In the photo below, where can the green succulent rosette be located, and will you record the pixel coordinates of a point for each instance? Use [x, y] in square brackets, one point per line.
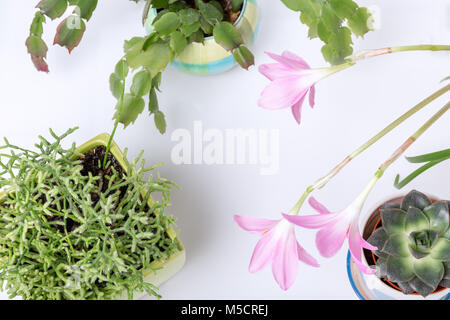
[414, 244]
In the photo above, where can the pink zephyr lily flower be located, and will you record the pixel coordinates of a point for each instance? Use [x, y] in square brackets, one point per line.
[336, 227]
[278, 246]
[292, 79]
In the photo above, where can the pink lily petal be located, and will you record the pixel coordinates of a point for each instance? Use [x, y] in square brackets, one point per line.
[312, 95]
[330, 239]
[282, 93]
[255, 225]
[305, 257]
[274, 71]
[264, 252]
[297, 109]
[313, 221]
[365, 269]
[294, 64]
[355, 242]
[285, 262]
[316, 205]
[367, 245]
[293, 57]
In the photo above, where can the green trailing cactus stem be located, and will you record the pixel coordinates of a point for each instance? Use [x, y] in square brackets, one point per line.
[414, 244]
[71, 229]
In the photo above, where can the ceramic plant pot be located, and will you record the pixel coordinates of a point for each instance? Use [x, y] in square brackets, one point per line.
[370, 287]
[164, 269]
[210, 58]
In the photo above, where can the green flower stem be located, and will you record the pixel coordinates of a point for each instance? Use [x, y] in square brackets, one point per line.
[365, 54]
[423, 47]
[324, 180]
[412, 139]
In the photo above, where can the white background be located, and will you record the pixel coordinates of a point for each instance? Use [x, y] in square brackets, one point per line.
[350, 107]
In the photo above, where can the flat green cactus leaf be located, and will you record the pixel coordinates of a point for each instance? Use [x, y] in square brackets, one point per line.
[439, 216]
[421, 287]
[399, 269]
[406, 288]
[429, 270]
[393, 220]
[416, 220]
[378, 238]
[441, 250]
[397, 245]
[415, 199]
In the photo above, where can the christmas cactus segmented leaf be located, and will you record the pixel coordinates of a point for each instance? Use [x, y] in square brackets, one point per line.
[70, 32]
[334, 22]
[53, 8]
[131, 108]
[86, 8]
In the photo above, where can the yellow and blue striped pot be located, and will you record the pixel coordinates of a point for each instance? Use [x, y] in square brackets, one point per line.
[209, 58]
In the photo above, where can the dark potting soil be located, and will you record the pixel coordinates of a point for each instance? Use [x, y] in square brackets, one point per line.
[91, 163]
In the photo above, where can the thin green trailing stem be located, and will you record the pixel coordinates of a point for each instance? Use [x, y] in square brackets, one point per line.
[320, 183]
[55, 243]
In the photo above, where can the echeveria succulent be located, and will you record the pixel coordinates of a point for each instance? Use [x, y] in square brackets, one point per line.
[414, 244]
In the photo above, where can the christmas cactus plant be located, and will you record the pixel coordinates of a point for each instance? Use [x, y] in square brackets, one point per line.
[177, 24]
[414, 244]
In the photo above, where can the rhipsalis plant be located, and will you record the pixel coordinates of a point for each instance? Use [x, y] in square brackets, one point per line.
[177, 24]
[73, 229]
[414, 244]
[334, 22]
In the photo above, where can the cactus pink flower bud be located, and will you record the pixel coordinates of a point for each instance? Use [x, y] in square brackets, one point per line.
[277, 246]
[291, 80]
